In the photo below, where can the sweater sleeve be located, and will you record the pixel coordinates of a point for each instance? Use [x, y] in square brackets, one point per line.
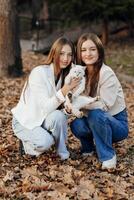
[107, 90]
[39, 94]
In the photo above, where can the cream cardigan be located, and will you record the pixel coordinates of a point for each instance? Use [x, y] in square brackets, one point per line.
[110, 92]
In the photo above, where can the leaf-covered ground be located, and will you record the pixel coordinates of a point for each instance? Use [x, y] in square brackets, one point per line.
[46, 177]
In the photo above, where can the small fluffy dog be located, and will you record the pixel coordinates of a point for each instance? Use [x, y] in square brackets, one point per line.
[74, 100]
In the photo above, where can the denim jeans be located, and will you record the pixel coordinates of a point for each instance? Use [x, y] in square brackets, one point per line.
[37, 140]
[99, 129]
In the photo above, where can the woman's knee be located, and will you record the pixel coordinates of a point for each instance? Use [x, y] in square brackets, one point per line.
[44, 143]
[120, 135]
[77, 127]
[55, 119]
[95, 116]
[57, 116]
[60, 116]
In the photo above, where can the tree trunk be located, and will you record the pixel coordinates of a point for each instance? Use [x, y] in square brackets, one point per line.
[35, 8]
[105, 32]
[10, 52]
[44, 16]
[44, 13]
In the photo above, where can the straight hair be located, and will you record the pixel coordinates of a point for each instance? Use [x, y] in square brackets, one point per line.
[53, 57]
[97, 66]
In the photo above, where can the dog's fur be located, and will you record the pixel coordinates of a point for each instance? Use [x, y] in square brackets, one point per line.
[75, 100]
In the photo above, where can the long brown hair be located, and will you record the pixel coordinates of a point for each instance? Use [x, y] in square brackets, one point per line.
[53, 57]
[97, 66]
[54, 54]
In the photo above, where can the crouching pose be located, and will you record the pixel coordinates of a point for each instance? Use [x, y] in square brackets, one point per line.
[106, 119]
[37, 122]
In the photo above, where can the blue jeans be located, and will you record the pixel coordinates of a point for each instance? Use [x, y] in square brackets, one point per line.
[101, 129]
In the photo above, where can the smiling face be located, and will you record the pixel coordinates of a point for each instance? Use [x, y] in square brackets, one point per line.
[65, 57]
[61, 55]
[89, 53]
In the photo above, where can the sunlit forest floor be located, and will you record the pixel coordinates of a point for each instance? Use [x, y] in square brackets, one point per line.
[78, 178]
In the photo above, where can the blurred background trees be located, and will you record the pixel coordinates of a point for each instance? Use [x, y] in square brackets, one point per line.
[106, 16]
[102, 11]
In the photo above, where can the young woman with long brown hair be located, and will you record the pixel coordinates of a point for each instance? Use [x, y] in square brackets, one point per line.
[105, 121]
[36, 114]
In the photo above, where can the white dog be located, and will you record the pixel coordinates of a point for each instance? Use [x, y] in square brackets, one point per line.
[74, 100]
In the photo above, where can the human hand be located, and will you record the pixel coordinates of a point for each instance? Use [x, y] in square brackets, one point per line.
[69, 87]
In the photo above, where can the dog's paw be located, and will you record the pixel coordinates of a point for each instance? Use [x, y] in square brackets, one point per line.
[66, 112]
[97, 98]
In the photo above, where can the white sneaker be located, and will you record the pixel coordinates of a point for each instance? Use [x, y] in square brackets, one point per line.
[109, 164]
[88, 154]
[30, 149]
[64, 156]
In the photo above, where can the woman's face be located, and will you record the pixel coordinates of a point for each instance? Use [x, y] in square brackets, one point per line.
[89, 52]
[65, 56]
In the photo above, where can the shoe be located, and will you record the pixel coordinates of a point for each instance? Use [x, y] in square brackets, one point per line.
[30, 149]
[88, 153]
[64, 156]
[110, 164]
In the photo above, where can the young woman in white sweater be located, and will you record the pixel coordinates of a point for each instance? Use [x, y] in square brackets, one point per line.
[37, 121]
[105, 121]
